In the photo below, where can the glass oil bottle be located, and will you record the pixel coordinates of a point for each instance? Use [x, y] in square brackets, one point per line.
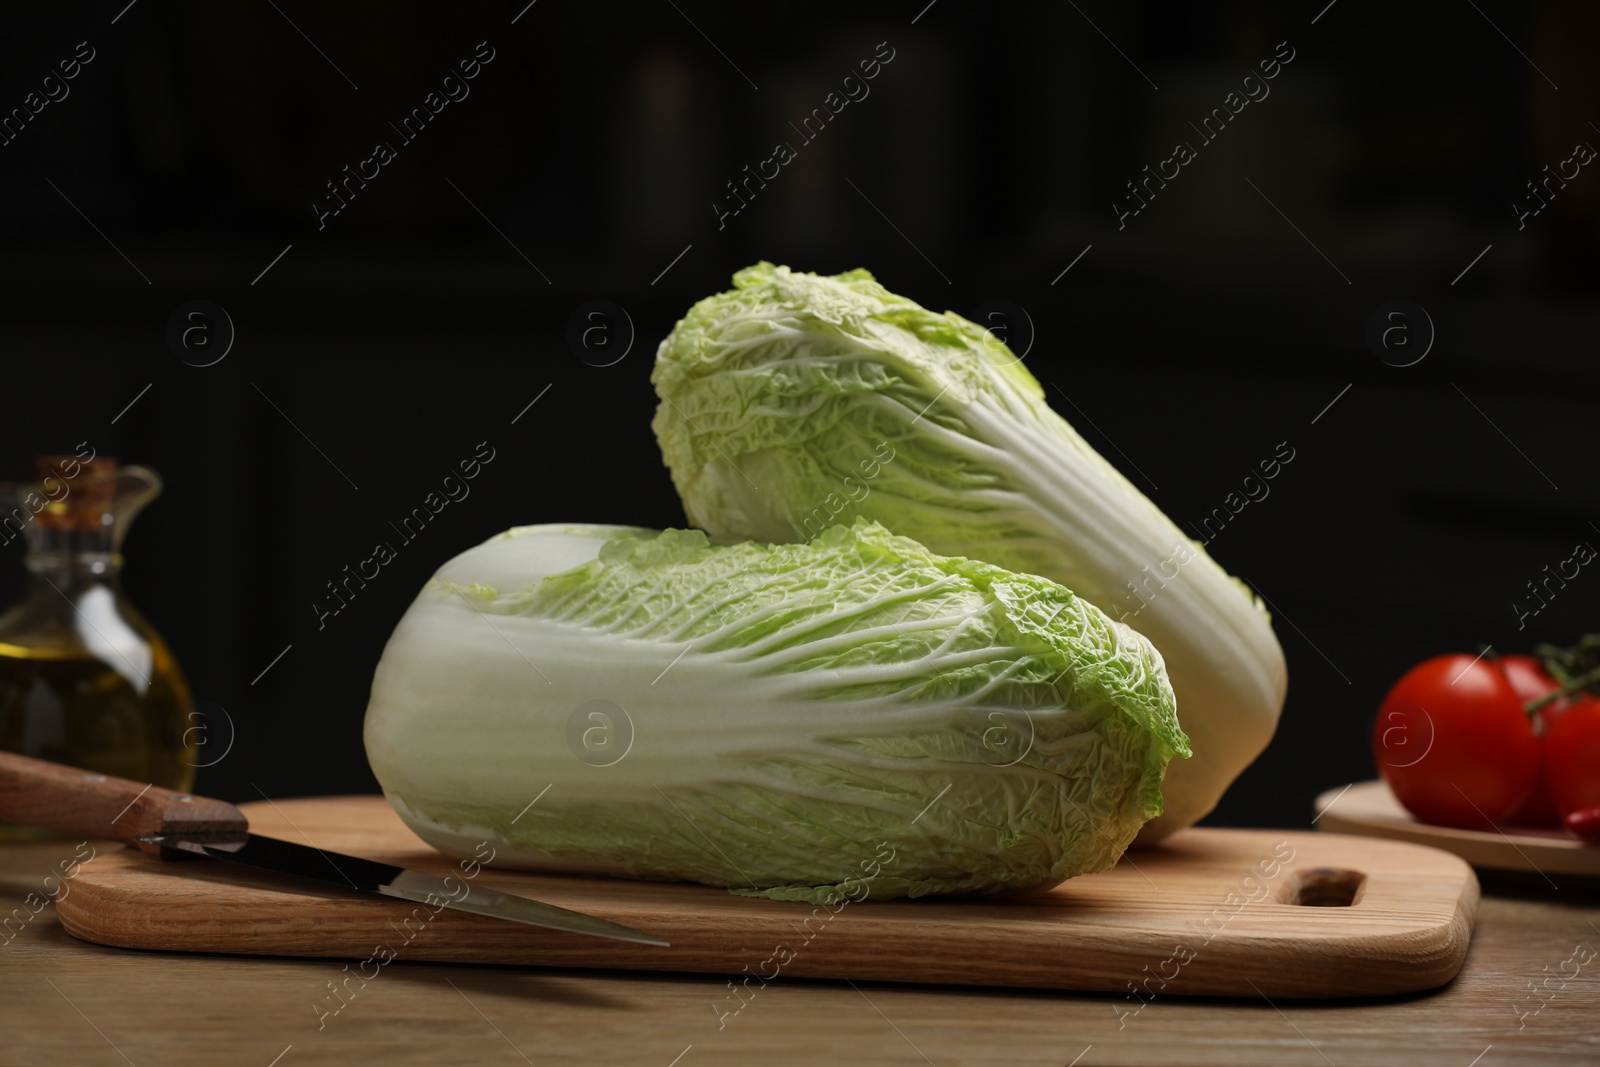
[84, 679]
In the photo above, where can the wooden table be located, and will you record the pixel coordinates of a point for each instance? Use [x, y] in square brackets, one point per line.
[63, 1001]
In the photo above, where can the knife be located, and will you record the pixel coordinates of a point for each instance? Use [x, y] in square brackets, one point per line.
[51, 796]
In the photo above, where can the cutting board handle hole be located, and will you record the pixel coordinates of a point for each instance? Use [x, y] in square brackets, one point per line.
[1323, 887]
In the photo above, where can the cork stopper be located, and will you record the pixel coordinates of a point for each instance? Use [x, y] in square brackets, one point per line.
[79, 493]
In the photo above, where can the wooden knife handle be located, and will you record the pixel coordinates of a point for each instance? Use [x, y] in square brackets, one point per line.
[80, 803]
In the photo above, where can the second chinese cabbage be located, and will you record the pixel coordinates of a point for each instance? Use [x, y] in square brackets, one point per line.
[798, 401]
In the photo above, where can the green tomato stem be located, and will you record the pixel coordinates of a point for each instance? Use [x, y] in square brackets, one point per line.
[1576, 685]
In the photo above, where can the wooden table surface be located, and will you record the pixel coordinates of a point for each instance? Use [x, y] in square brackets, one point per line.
[66, 1002]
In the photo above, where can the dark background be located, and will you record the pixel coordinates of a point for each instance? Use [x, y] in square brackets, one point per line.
[411, 327]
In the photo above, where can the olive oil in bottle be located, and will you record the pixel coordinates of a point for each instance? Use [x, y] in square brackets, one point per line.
[84, 679]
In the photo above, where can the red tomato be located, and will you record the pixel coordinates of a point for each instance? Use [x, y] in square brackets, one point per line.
[1572, 757]
[1529, 678]
[1585, 824]
[1454, 744]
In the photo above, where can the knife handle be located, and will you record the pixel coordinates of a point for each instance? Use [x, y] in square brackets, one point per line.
[80, 803]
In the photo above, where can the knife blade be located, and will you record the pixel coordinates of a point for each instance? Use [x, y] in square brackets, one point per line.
[370, 876]
[51, 796]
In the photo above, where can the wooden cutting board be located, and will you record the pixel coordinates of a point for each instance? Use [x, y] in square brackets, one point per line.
[1210, 912]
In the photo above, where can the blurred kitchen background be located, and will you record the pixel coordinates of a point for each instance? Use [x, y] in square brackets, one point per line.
[374, 353]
